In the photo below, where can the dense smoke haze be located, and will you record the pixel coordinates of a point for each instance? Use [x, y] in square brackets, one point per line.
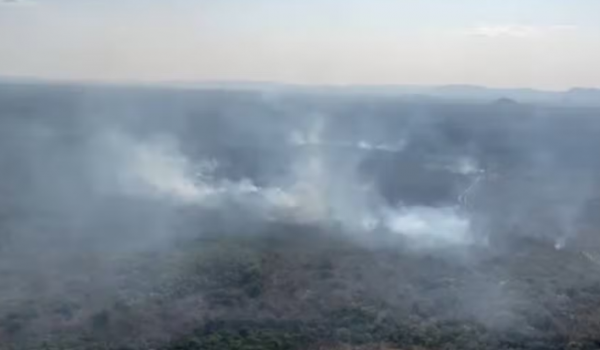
[109, 197]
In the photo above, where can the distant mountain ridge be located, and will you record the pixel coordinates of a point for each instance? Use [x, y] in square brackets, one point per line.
[577, 96]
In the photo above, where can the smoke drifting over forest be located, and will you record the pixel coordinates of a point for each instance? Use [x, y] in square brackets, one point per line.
[112, 199]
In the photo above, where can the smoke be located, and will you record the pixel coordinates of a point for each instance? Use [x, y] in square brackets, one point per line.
[323, 185]
[327, 182]
[432, 226]
[152, 168]
[85, 193]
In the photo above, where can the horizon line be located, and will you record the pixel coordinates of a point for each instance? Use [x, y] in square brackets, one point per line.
[190, 84]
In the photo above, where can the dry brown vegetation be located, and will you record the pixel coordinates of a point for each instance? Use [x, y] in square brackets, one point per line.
[293, 289]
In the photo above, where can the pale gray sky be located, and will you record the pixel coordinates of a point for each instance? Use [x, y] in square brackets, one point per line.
[551, 44]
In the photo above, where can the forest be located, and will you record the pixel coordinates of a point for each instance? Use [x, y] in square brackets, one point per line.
[182, 219]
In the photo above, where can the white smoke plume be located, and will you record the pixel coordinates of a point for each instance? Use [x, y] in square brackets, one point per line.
[334, 191]
[431, 226]
[321, 187]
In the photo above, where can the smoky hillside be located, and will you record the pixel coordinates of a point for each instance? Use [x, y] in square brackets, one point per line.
[180, 219]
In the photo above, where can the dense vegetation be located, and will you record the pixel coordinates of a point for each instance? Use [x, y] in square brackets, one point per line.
[89, 264]
[300, 289]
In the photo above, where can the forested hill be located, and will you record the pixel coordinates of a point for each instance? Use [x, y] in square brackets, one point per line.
[156, 218]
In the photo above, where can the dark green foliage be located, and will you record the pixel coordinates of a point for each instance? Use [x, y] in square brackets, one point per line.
[266, 293]
[100, 321]
[243, 336]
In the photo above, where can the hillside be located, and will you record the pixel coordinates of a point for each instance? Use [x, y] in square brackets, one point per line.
[167, 219]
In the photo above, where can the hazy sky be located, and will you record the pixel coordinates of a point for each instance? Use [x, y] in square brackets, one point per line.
[551, 44]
